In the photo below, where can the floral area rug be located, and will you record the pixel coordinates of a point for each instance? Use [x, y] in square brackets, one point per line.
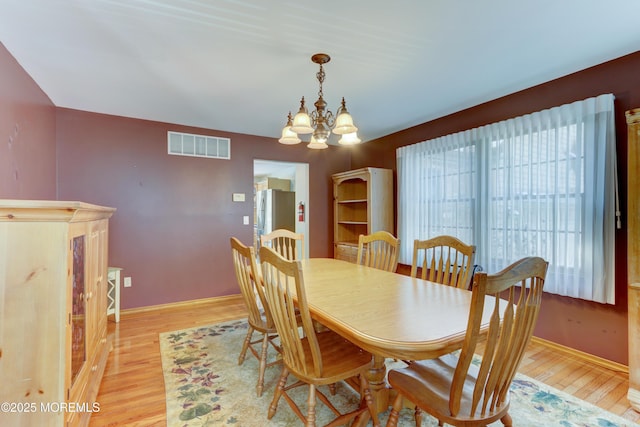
[205, 386]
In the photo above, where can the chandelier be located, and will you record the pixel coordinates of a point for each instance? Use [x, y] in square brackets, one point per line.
[320, 123]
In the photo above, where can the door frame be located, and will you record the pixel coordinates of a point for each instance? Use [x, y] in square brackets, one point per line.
[298, 172]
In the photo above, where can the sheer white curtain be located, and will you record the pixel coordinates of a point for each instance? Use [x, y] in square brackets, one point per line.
[543, 184]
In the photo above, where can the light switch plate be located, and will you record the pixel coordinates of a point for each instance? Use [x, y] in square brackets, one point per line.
[245, 220]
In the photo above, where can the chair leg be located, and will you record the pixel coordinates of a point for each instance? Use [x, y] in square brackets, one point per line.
[417, 414]
[366, 392]
[395, 411]
[263, 364]
[507, 421]
[311, 407]
[245, 345]
[332, 389]
[282, 382]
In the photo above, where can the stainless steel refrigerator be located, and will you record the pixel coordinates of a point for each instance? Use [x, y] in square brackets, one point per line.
[275, 209]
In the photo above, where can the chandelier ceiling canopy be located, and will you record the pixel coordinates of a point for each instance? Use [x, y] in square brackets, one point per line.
[321, 121]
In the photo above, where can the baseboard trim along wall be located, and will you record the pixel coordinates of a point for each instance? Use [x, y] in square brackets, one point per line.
[599, 361]
[181, 304]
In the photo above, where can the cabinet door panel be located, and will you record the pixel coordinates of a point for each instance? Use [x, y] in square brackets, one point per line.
[78, 307]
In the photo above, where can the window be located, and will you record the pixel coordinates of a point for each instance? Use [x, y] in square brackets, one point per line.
[543, 184]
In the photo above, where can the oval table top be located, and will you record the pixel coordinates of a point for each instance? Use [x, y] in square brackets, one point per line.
[388, 314]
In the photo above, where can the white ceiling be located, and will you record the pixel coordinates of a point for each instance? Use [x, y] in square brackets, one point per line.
[241, 65]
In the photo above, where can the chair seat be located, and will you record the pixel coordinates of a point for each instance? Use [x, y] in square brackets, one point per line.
[262, 324]
[340, 359]
[430, 381]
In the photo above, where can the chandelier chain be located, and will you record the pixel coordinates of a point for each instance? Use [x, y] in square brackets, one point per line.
[320, 77]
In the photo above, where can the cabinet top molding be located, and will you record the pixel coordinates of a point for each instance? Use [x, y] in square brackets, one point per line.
[51, 210]
[633, 116]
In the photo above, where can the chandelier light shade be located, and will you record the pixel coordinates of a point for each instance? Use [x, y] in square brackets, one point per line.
[316, 144]
[349, 139]
[302, 121]
[289, 136]
[344, 121]
[321, 122]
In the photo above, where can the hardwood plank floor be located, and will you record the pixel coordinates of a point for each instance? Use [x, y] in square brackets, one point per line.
[132, 390]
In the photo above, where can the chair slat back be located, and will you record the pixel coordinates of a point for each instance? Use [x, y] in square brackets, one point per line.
[444, 259]
[508, 335]
[287, 243]
[283, 281]
[248, 276]
[379, 250]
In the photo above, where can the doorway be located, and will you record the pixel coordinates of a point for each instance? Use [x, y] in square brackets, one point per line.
[285, 176]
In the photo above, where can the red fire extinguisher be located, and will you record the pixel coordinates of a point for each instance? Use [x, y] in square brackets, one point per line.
[300, 212]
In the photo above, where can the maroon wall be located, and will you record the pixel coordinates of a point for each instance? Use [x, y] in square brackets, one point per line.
[175, 214]
[598, 329]
[27, 135]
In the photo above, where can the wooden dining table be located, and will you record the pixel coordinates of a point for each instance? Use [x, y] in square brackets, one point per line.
[387, 314]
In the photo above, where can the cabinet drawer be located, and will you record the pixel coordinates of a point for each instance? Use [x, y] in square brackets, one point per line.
[346, 252]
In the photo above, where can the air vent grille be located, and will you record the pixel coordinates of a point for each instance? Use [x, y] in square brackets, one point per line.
[187, 144]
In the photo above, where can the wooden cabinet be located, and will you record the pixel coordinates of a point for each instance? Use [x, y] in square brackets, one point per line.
[270, 183]
[362, 204]
[633, 254]
[53, 310]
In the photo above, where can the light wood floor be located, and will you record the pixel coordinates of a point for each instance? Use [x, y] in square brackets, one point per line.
[132, 390]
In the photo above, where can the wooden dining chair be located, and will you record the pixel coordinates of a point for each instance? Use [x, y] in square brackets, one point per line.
[457, 390]
[379, 250]
[287, 243]
[259, 317]
[313, 358]
[444, 259]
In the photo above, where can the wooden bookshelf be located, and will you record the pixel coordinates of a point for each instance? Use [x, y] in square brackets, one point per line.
[363, 203]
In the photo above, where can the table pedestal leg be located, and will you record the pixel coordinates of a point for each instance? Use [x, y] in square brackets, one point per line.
[378, 384]
[380, 390]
